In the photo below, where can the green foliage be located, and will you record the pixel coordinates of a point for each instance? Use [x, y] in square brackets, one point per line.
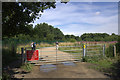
[72, 40]
[99, 37]
[109, 52]
[69, 37]
[41, 33]
[16, 15]
[47, 32]
[92, 59]
[101, 62]
[6, 76]
[8, 57]
[115, 69]
[27, 67]
[111, 66]
[118, 48]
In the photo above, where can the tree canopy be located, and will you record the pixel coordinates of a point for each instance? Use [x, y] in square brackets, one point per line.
[16, 15]
[48, 32]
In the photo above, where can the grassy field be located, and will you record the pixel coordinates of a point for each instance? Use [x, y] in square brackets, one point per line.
[77, 50]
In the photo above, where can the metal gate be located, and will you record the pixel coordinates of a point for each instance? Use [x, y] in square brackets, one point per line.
[63, 53]
[55, 55]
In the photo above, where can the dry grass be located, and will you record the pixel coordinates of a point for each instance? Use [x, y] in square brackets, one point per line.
[44, 45]
[66, 43]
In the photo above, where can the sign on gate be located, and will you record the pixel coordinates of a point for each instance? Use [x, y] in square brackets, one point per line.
[32, 55]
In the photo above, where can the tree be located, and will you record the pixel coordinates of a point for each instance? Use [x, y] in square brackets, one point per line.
[16, 15]
[58, 35]
[96, 37]
[113, 33]
[48, 32]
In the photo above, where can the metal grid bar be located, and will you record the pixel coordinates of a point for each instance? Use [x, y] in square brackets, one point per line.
[73, 50]
[46, 47]
[94, 51]
[48, 51]
[59, 54]
[95, 48]
[94, 55]
[95, 45]
[69, 46]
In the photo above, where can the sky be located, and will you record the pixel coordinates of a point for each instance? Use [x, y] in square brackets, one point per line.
[82, 17]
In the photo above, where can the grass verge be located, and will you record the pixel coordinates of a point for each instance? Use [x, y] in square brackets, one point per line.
[109, 66]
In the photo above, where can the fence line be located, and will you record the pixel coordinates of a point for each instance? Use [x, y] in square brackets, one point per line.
[86, 51]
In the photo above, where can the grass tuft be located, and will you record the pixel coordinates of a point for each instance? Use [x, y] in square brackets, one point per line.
[27, 67]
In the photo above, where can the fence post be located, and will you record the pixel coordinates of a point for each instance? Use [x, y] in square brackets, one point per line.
[84, 50]
[22, 56]
[114, 51]
[39, 54]
[104, 50]
[56, 52]
[25, 56]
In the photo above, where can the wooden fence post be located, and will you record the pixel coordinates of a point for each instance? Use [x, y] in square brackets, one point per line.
[114, 51]
[104, 50]
[22, 56]
[25, 56]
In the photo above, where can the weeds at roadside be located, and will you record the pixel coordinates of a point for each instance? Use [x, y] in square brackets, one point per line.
[27, 67]
[109, 66]
[5, 76]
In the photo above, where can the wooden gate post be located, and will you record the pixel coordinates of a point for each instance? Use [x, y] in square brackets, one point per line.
[104, 50]
[22, 56]
[25, 56]
[114, 51]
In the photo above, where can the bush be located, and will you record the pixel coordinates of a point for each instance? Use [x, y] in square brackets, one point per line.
[6, 76]
[109, 52]
[118, 48]
[72, 40]
[92, 59]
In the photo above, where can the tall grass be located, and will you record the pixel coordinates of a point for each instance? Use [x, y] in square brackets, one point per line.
[27, 67]
[8, 56]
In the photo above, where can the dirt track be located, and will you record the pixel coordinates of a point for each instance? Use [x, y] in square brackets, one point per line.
[49, 54]
[79, 70]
